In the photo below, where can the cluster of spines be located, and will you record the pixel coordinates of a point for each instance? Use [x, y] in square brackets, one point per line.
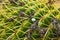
[16, 28]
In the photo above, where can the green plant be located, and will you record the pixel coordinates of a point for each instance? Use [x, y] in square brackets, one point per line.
[29, 20]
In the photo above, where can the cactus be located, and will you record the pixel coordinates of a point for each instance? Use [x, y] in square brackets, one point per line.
[29, 20]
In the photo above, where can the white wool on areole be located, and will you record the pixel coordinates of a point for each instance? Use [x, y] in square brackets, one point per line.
[33, 19]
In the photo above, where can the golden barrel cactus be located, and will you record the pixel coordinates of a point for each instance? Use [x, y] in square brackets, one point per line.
[29, 20]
